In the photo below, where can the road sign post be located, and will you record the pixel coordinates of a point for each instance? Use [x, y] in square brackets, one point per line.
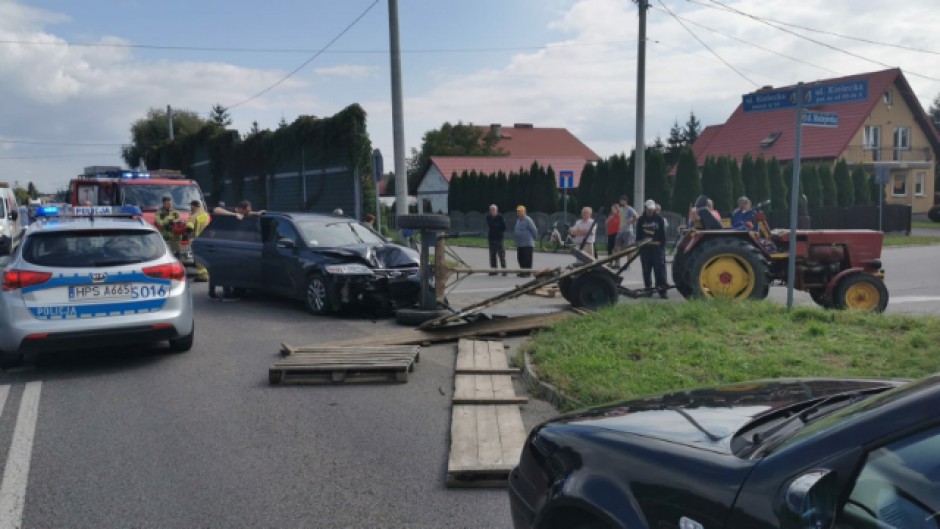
[377, 170]
[565, 182]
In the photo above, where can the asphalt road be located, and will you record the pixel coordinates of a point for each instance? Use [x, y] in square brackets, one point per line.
[145, 438]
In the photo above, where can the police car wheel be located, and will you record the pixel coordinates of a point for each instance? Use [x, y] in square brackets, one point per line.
[185, 343]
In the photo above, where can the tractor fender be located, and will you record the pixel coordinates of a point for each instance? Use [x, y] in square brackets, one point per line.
[697, 236]
[838, 277]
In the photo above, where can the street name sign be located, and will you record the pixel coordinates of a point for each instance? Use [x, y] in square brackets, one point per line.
[834, 94]
[566, 179]
[764, 101]
[820, 119]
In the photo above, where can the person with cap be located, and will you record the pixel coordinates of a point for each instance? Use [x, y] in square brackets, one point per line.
[650, 226]
[166, 219]
[525, 234]
[198, 220]
[495, 233]
[628, 217]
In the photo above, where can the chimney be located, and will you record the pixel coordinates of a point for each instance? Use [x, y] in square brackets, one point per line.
[522, 125]
[496, 129]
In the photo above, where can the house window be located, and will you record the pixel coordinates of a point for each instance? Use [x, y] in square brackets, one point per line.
[888, 97]
[872, 141]
[902, 141]
[919, 184]
[899, 185]
[770, 139]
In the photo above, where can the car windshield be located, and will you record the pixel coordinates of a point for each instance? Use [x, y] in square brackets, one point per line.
[151, 195]
[93, 248]
[337, 233]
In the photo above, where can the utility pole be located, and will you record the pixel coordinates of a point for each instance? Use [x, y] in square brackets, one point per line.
[398, 125]
[169, 119]
[639, 157]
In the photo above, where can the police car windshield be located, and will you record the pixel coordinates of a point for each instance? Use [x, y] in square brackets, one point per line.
[93, 248]
[151, 195]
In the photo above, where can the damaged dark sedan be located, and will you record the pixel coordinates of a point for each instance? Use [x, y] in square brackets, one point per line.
[326, 261]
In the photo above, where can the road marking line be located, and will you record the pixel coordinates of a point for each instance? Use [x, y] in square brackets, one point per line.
[4, 391]
[16, 471]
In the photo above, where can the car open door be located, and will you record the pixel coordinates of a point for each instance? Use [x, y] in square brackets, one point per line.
[230, 248]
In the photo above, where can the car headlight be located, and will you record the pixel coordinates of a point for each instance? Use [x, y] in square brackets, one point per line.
[349, 269]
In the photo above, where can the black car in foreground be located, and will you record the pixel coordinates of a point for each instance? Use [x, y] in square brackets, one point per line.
[329, 262]
[805, 453]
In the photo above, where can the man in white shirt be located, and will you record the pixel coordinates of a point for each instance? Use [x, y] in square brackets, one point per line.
[583, 230]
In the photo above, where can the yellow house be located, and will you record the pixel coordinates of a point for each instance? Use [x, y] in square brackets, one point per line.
[888, 133]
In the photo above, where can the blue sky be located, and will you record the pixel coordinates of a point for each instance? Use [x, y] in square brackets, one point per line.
[584, 80]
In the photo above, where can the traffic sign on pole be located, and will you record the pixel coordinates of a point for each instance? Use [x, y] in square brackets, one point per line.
[820, 119]
[566, 180]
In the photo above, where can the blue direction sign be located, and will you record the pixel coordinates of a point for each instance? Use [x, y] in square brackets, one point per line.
[566, 179]
[834, 94]
[764, 101]
[820, 119]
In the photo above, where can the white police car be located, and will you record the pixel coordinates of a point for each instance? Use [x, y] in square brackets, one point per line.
[92, 277]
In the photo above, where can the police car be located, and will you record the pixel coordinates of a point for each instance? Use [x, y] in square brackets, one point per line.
[92, 277]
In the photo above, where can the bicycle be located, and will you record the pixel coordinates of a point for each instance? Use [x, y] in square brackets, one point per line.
[553, 240]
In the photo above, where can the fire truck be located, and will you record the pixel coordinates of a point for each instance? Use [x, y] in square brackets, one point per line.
[114, 186]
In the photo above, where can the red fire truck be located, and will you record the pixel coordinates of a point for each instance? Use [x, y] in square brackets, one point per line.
[114, 186]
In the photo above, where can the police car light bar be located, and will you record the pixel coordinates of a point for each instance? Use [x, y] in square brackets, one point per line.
[88, 211]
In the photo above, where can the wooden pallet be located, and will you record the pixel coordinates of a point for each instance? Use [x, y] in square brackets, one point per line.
[485, 445]
[308, 365]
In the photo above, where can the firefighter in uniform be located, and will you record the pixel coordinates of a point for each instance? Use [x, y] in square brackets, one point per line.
[166, 220]
[198, 220]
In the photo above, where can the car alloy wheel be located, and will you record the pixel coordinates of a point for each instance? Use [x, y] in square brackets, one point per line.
[317, 295]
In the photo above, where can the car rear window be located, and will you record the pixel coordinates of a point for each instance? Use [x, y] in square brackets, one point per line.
[247, 229]
[92, 248]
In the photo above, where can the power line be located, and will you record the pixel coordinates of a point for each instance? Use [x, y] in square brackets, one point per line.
[325, 52]
[817, 42]
[831, 33]
[702, 42]
[66, 143]
[83, 155]
[758, 46]
[308, 61]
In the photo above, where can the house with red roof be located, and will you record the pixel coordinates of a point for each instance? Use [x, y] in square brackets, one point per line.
[888, 133]
[550, 147]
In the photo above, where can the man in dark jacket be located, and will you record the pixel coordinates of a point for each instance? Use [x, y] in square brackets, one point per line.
[650, 226]
[496, 230]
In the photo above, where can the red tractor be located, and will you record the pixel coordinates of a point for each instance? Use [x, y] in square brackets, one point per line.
[839, 268]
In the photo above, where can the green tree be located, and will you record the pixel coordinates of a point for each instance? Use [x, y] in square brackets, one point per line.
[220, 116]
[862, 187]
[710, 184]
[586, 186]
[687, 186]
[674, 144]
[21, 194]
[747, 175]
[153, 131]
[620, 179]
[787, 177]
[655, 182]
[724, 200]
[811, 185]
[761, 181]
[512, 190]
[453, 193]
[737, 181]
[551, 187]
[779, 190]
[844, 186]
[451, 140]
[828, 183]
[693, 128]
[601, 179]
[32, 191]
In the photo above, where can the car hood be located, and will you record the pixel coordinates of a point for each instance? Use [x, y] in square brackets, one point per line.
[709, 418]
[375, 255]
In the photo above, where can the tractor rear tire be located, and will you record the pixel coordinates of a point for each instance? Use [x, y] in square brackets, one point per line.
[680, 264]
[728, 268]
[861, 291]
[594, 290]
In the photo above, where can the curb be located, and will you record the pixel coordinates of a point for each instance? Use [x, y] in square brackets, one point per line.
[543, 389]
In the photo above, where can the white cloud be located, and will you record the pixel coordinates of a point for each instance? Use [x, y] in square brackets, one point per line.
[351, 71]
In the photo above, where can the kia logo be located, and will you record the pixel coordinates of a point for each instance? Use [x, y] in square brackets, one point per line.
[98, 277]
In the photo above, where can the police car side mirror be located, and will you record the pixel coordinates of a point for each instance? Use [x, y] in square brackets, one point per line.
[13, 215]
[811, 501]
[284, 242]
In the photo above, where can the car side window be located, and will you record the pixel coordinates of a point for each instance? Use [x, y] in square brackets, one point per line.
[899, 486]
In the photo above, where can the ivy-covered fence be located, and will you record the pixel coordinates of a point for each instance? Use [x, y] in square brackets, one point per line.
[313, 164]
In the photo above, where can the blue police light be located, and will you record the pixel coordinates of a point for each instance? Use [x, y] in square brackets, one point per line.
[134, 175]
[47, 211]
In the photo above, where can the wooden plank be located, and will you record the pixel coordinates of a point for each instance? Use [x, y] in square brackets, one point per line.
[508, 326]
[488, 371]
[485, 389]
[465, 354]
[481, 354]
[497, 355]
[333, 377]
[485, 445]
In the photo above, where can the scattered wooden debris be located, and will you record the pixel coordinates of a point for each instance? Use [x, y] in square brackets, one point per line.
[324, 365]
[486, 432]
[549, 291]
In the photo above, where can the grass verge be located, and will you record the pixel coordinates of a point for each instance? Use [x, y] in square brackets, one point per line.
[640, 349]
[926, 225]
[910, 240]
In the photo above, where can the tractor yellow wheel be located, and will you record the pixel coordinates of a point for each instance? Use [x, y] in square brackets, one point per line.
[727, 277]
[861, 292]
[727, 267]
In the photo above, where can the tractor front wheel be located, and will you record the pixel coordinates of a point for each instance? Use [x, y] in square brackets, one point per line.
[728, 268]
[861, 292]
[679, 264]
